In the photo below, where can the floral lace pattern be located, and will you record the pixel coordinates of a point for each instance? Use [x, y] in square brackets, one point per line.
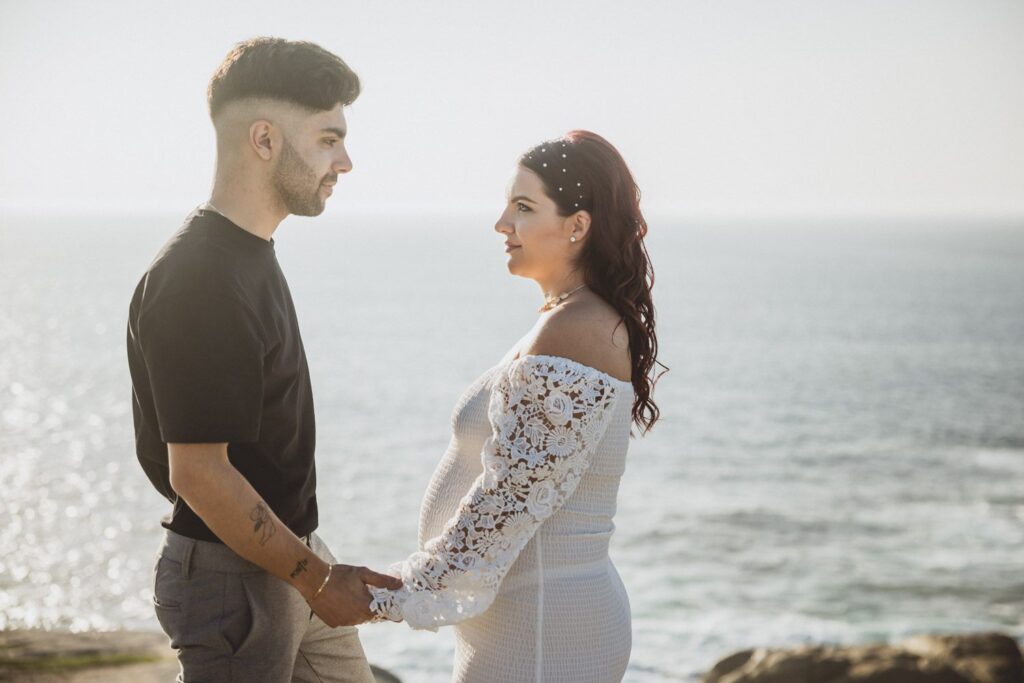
[547, 415]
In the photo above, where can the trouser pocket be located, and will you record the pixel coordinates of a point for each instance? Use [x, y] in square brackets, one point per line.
[238, 623]
[167, 606]
[202, 610]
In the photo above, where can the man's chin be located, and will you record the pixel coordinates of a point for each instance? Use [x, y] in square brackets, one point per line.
[308, 211]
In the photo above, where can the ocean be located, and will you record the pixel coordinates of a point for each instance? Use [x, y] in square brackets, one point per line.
[840, 456]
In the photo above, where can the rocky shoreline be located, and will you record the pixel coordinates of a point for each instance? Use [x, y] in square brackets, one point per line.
[972, 658]
[35, 656]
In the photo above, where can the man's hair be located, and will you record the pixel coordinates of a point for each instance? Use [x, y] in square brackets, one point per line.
[297, 72]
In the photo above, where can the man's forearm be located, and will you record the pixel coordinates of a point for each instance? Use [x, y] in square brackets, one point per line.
[236, 513]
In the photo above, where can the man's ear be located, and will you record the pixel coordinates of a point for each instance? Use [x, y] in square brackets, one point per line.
[261, 139]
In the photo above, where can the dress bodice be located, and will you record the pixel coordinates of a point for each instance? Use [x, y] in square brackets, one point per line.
[587, 514]
[515, 527]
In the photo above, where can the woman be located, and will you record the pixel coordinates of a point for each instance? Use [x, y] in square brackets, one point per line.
[515, 525]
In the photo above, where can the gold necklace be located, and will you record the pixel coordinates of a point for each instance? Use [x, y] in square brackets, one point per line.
[553, 301]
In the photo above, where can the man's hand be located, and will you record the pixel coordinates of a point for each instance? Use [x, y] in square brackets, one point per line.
[345, 601]
[203, 475]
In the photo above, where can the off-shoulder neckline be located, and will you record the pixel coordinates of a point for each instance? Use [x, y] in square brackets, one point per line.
[570, 361]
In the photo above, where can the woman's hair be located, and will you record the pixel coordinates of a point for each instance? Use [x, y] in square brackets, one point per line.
[582, 171]
[297, 72]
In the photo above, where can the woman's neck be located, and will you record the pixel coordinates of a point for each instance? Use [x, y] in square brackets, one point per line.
[559, 285]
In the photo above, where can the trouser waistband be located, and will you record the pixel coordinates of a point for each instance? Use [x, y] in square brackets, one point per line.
[195, 554]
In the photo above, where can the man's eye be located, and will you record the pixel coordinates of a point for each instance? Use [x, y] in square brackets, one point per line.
[331, 142]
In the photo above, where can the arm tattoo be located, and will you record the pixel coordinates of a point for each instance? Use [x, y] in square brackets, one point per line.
[263, 524]
[300, 567]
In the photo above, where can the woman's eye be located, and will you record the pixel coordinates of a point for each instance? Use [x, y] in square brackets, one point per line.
[522, 207]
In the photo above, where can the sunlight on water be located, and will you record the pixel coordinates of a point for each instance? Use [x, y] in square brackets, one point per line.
[839, 458]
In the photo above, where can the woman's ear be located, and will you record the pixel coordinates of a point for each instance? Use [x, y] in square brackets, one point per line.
[579, 226]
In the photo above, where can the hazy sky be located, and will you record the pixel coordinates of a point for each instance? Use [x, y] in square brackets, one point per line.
[755, 107]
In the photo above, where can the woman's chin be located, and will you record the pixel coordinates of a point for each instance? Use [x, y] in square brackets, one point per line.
[516, 265]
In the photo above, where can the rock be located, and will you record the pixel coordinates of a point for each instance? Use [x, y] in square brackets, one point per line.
[382, 676]
[985, 658]
[38, 656]
[973, 658]
[778, 666]
[35, 656]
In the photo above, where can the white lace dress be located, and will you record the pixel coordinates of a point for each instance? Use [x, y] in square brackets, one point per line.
[515, 526]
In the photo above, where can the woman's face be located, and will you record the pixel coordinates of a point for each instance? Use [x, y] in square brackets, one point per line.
[536, 237]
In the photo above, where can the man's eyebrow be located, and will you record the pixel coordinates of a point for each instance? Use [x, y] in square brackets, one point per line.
[340, 132]
[522, 197]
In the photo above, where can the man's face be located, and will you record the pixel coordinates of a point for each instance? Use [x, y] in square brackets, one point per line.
[312, 156]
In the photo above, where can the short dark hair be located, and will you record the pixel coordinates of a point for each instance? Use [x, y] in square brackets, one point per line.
[298, 72]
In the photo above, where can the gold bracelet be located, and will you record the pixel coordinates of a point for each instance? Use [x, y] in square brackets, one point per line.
[323, 585]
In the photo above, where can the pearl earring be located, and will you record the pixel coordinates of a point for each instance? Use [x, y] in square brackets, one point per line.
[573, 238]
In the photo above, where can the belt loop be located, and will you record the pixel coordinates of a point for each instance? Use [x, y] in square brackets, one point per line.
[186, 560]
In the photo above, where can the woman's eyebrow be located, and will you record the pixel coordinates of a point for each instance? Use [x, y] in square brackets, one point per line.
[523, 198]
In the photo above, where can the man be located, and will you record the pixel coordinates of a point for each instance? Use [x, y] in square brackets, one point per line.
[222, 402]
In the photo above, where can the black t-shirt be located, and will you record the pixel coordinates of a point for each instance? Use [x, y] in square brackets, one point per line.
[215, 356]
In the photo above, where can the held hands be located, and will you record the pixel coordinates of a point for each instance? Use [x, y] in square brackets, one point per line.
[344, 600]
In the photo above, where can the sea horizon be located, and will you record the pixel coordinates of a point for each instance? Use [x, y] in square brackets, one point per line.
[838, 459]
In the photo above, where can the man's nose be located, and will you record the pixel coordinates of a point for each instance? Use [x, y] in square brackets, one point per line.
[343, 164]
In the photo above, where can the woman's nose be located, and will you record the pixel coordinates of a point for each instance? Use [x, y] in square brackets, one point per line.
[504, 226]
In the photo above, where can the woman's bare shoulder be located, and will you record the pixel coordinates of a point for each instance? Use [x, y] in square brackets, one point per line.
[588, 331]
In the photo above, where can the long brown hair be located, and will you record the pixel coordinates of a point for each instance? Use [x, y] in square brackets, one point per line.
[583, 171]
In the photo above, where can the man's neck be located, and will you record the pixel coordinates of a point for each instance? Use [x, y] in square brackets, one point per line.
[254, 209]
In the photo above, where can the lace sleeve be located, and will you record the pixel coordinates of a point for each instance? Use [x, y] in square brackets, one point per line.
[547, 415]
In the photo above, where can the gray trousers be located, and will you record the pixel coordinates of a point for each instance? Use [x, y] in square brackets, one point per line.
[231, 621]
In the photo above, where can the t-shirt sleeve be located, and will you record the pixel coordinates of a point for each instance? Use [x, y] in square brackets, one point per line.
[204, 356]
